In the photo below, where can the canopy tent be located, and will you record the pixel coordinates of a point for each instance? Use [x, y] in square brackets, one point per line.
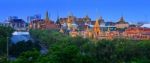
[146, 25]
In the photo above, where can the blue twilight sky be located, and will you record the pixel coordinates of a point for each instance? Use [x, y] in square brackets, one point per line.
[110, 10]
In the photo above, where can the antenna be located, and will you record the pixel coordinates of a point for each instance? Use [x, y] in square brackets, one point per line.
[57, 15]
[97, 14]
[146, 19]
[28, 19]
[86, 13]
[122, 15]
[70, 13]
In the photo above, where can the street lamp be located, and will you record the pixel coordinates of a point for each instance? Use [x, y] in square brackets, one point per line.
[7, 48]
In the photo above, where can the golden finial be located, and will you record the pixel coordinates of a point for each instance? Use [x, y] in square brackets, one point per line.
[108, 29]
[87, 28]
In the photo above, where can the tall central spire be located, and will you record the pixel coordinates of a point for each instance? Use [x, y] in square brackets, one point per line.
[47, 17]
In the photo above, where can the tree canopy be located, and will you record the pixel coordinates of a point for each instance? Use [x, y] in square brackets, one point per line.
[65, 49]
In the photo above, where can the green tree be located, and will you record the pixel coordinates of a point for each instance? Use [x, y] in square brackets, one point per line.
[65, 49]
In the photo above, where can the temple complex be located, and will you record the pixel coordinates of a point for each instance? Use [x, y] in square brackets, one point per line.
[87, 28]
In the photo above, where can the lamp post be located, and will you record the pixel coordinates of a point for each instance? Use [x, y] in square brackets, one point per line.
[7, 49]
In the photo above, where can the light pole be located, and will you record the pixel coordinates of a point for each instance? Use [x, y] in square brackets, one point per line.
[7, 49]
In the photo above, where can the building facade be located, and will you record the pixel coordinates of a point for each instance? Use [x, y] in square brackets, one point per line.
[15, 23]
[137, 33]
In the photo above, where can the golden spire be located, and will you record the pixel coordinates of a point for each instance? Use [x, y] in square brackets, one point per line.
[96, 27]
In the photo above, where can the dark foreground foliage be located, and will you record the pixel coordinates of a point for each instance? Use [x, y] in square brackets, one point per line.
[22, 46]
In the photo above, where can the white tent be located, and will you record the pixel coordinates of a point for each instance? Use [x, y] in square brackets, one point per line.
[20, 33]
[20, 36]
[146, 25]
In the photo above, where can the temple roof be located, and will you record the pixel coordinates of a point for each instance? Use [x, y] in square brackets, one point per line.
[101, 20]
[16, 21]
[110, 24]
[86, 18]
[122, 21]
